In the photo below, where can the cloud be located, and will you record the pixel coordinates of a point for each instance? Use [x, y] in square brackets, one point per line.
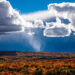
[30, 33]
[10, 19]
[57, 21]
[56, 32]
[65, 7]
[38, 19]
[57, 29]
[65, 11]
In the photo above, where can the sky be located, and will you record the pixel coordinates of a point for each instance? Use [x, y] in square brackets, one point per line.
[28, 6]
[37, 25]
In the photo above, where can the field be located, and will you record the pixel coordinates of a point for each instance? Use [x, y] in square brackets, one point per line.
[37, 63]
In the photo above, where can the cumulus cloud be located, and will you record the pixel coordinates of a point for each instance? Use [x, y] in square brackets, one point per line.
[56, 32]
[57, 29]
[65, 7]
[57, 21]
[10, 19]
[64, 10]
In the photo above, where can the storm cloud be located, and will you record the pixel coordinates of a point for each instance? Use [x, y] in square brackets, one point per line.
[10, 19]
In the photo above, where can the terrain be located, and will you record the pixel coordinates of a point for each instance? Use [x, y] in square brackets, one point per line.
[36, 63]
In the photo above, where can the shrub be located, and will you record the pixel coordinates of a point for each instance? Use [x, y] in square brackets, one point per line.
[38, 71]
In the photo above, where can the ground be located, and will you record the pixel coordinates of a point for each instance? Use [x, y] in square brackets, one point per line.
[37, 63]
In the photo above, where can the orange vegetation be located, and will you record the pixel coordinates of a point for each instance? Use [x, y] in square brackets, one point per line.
[37, 65]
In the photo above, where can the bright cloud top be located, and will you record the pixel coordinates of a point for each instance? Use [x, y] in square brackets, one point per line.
[10, 19]
[54, 20]
[57, 21]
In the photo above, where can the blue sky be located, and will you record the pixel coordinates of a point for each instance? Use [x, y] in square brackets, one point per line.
[27, 6]
[46, 30]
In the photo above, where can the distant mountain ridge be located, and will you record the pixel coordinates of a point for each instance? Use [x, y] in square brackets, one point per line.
[7, 53]
[30, 53]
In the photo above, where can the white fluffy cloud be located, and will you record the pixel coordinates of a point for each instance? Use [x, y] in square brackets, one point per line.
[51, 19]
[57, 29]
[64, 10]
[10, 19]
